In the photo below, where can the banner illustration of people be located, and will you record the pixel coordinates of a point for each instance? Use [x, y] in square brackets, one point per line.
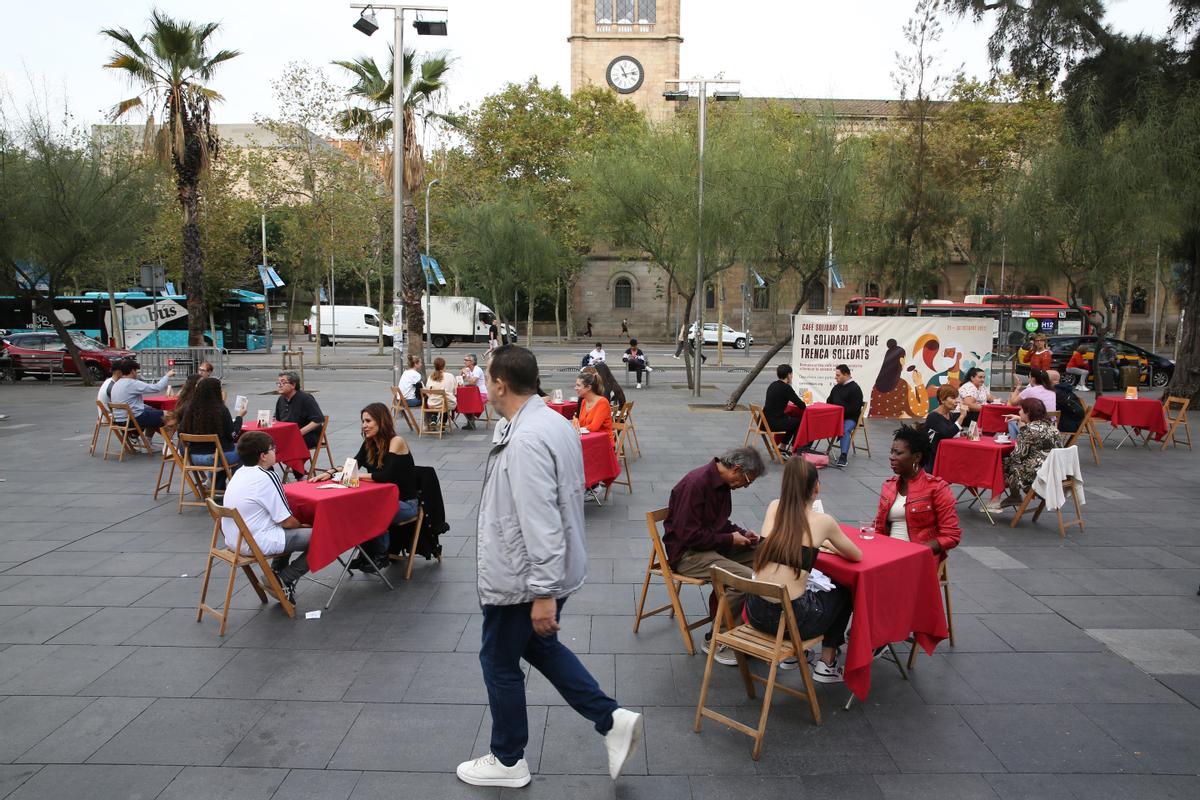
[904, 360]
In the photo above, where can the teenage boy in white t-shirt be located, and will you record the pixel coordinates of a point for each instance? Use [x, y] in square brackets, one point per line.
[257, 493]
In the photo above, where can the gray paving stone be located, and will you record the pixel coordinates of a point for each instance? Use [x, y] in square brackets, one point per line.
[384, 677]
[931, 739]
[442, 785]
[27, 720]
[66, 669]
[108, 626]
[58, 781]
[224, 783]
[1163, 740]
[183, 731]
[409, 736]
[1047, 738]
[12, 776]
[1027, 633]
[41, 624]
[914, 787]
[87, 731]
[1058, 678]
[285, 675]
[318, 784]
[161, 672]
[301, 735]
[1173, 652]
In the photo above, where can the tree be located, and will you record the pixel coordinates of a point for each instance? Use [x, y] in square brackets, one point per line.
[172, 67]
[372, 121]
[67, 204]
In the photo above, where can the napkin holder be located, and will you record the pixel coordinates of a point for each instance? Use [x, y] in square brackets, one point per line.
[349, 475]
[558, 396]
[1131, 393]
[264, 418]
[973, 431]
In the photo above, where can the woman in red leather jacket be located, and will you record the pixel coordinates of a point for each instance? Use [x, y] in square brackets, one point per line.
[914, 505]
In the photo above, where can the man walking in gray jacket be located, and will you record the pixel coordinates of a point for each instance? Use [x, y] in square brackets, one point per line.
[531, 558]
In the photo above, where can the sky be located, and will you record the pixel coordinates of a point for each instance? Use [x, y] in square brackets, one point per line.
[780, 48]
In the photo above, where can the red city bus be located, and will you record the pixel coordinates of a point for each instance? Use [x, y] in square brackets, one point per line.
[1018, 315]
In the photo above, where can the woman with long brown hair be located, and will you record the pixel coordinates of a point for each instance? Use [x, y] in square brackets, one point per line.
[384, 457]
[792, 532]
[205, 413]
[446, 382]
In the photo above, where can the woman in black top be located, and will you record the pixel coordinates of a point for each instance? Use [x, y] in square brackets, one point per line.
[939, 425]
[779, 394]
[205, 413]
[384, 457]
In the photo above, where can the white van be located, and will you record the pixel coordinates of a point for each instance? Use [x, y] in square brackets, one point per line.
[347, 324]
[461, 319]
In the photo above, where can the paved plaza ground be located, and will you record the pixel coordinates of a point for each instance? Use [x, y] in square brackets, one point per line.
[1076, 672]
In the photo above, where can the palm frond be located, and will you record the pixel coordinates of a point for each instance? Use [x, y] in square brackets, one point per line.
[123, 107]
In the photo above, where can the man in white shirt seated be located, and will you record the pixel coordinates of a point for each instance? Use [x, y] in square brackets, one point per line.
[596, 355]
[105, 393]
[257, 493]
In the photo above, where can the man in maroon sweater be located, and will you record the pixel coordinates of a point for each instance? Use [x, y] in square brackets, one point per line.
[698, 533]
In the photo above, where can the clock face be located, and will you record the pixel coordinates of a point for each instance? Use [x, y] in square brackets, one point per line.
[625, 74]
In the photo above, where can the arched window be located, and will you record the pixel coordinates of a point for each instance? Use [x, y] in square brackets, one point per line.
[626, 12]
[1031, 288]
[623, 293]
[932, 291]
[816, 297]
[760, 298]
[710, 296]
[1138, 302]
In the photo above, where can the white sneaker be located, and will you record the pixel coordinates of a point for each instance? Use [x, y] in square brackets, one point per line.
[649, 369]
[638, 386]
[488, 771]
[723, 656]
[622, 739]
[675, 357]
[790, 663]
[826, 673]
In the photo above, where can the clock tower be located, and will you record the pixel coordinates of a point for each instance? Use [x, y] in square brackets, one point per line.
[630, 46]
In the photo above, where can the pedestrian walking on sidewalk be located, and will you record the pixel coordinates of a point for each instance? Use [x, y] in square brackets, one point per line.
[531, 557]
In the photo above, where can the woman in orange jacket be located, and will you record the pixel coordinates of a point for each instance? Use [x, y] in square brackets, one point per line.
[595, 412]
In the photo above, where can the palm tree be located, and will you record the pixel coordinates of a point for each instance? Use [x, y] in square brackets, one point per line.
[372, 121]
[171, 66]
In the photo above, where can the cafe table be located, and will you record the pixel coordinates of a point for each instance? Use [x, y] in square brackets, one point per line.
[470, 400]
[991, 417]
[600, 464]
[290, 448]
[976, 465]
[161, 401]
[895, 593]
[342, 518]
[1130, 416]
[820, 421]
[567, 408]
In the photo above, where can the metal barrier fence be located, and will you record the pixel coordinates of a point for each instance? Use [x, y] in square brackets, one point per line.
[156, 361]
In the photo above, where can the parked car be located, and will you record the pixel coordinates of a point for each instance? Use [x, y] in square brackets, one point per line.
[738, 339]
[1154, 370]
[38, 352]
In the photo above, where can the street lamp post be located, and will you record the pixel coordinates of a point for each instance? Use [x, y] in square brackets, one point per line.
[428, 283]
[682, 92]
[367, 24]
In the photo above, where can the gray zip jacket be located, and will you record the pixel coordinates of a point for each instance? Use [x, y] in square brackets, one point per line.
[531, 528]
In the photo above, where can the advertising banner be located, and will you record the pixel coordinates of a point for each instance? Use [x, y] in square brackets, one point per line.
[899, 362]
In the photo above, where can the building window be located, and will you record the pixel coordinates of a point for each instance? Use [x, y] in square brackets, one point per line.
[816, 296]
[1137, 303]
[623, 293]
[624, 12]
[871, 290]
[710, 296]
[1031, 289]
[760, 298]
[646, 12]
[627, 12]
[603, 12]
[932, 292]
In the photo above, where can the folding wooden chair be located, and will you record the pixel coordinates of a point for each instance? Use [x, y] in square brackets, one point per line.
[322, 442]
[400, 408]
[1055, 417]
[205, 477]
[172, 460]
[104, 421]
[943, 581]
[746, 640]
[1177, 406]
[440, 414]
[129, 433]
[1069, 488]
[760, 426]
[625, 478]
[416, 522]
[861, 426]
[625, 414]
[1088, 425]
[218, 550]
[659, 566]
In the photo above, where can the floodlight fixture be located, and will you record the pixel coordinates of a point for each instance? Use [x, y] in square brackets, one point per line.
[726, 94]
[366, 22]
[430, 27]
[676, 95]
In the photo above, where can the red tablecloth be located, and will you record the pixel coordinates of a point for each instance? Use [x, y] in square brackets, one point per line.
[600, 463]
[896, 593]
[1141, 414]
[470, 400]
[290, 448]
[820, 421]
[566, 408]
[979, 465]
[341, 518]
[991, 417]
[161, 401]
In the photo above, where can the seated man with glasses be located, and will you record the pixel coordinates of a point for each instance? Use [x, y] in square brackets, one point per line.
[299, 407]
[255, 491]
[698, 533]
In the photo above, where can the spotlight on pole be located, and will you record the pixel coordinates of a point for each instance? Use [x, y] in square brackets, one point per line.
[676, 95]
[366, 21]
[430, 27]
[726, 95]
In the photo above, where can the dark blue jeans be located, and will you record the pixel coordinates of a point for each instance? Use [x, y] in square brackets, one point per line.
[817, 613]
[507, 638]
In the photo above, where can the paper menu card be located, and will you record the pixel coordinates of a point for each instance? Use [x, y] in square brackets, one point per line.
[349, 475]
[240, 403]
[264, 417]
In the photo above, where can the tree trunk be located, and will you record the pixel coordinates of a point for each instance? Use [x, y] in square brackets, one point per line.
[570, 308]
[291, 315]
[212, 327]
[689, 353]
[1126, 305]
[529, 320]
[557, 323]
[1185, 382]
[317, 319]
[413, 283]
[47, 306]
[367, 287]
[193, 263]
[116, 331]
[732, 402]
[379, 352]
